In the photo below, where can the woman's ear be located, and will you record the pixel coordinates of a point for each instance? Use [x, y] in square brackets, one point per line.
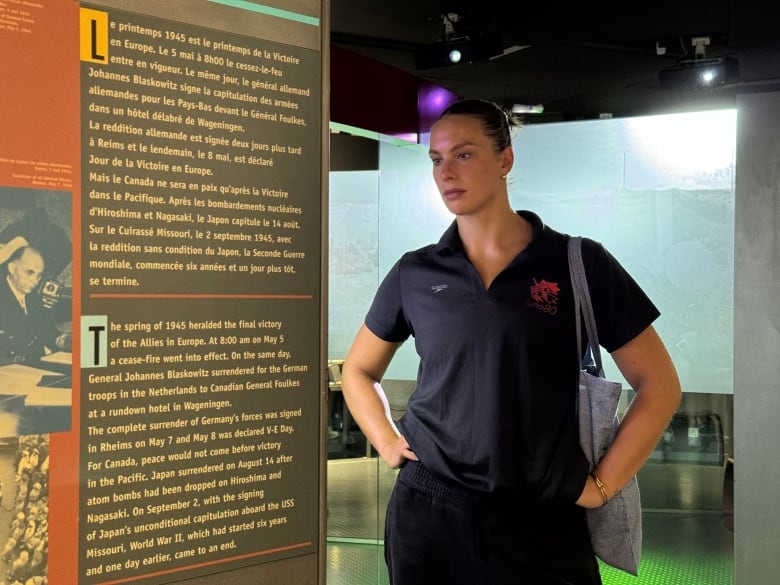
[507, 160]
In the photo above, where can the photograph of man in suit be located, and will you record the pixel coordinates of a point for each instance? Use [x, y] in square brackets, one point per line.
[35, 312]
[27, 332]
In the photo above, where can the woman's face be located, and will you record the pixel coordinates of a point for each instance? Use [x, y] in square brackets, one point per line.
[466, 167]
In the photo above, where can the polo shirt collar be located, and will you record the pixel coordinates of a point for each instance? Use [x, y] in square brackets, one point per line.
[450, 239]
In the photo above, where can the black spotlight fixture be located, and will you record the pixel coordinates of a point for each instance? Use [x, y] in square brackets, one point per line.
[456, 49]
[700, 72]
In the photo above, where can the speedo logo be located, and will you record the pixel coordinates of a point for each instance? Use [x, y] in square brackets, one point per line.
[544, 296]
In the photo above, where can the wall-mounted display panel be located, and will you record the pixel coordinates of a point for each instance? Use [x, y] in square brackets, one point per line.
[161, 175]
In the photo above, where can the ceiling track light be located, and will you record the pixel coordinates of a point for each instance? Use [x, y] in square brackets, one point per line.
[527, 109]
[459, 51]
[700, 73]
[456, 48]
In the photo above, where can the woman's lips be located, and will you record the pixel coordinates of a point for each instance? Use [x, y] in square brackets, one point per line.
[452, 193]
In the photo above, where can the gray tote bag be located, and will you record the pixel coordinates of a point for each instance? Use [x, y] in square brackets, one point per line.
[616, 527]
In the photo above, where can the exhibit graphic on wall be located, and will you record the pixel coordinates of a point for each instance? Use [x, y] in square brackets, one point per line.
[160, 182]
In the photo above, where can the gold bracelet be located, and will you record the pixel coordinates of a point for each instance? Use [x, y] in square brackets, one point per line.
[601, 487]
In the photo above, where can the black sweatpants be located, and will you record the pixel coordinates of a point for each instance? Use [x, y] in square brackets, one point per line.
[441, 533]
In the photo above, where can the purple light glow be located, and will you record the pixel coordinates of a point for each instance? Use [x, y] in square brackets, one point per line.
[408, 137]
[432, 100]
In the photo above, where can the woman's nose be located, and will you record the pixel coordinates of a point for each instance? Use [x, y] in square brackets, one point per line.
[445, 170]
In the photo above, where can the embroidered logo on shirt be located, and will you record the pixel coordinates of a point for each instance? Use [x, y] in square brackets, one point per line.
[544, 296]
[437, 288]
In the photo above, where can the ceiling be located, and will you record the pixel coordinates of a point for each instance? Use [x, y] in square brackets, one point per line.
[579, 62]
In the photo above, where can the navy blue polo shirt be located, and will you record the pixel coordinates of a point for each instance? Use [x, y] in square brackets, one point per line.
[494, 407]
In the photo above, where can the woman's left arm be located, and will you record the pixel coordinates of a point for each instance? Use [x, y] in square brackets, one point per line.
[647, 367]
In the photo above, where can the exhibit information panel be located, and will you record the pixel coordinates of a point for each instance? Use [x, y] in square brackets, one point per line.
[164, 177]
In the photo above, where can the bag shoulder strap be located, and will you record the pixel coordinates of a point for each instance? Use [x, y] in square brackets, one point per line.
[582, 303]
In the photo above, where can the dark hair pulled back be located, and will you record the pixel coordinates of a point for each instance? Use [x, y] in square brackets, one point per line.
[496, 121]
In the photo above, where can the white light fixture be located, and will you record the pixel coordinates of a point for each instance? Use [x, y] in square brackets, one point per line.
[700, 73]
[708, 76]
[527, 109]
[455, 56]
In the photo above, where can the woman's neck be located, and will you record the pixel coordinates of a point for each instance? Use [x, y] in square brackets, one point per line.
[486, 234]
[492, 243]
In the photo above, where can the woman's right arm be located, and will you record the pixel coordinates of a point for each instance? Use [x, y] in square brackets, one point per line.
[361, 374]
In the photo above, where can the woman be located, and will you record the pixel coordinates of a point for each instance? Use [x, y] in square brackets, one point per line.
[493, 484]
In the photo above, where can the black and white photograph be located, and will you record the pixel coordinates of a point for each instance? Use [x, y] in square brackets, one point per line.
[35, 311]
[24, 510]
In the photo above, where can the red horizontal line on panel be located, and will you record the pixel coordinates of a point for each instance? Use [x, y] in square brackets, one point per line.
[191, 296]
